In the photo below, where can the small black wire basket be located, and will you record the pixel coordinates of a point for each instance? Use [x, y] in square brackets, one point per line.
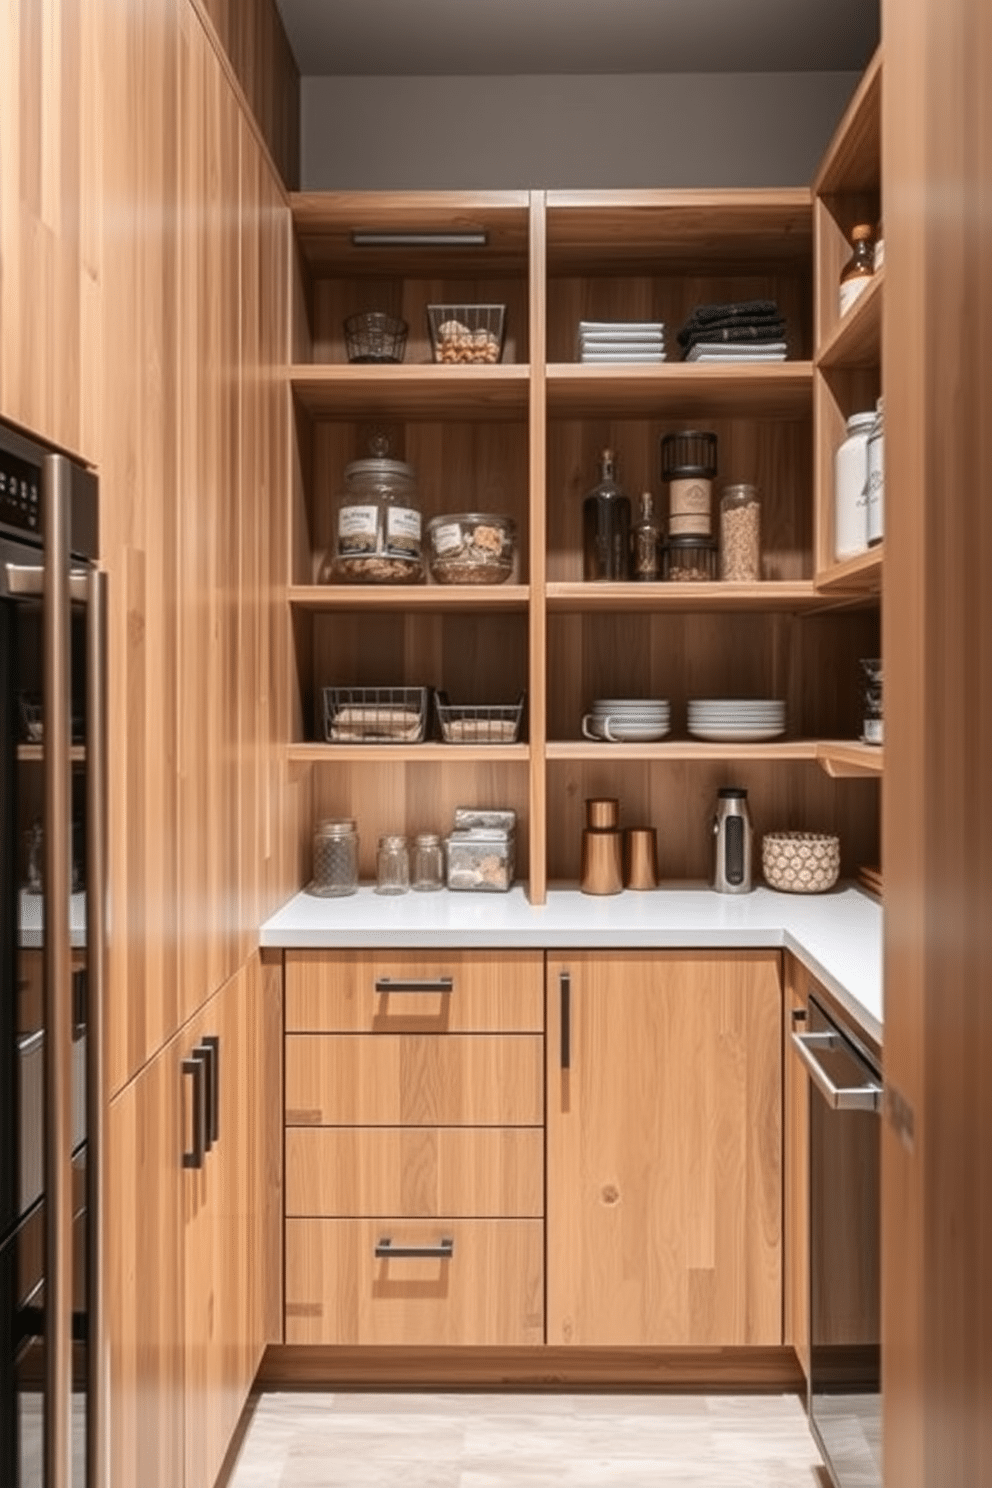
[374, 336]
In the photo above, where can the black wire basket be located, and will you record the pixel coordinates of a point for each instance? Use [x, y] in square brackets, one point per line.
[374, 336]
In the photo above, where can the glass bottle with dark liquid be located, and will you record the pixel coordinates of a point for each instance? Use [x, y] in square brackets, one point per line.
[606, 526]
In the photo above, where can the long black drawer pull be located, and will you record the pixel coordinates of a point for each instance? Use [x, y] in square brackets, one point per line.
[208, 1050]
[194, 1068]
[428, 984]
[565, 984]
[385, 1250]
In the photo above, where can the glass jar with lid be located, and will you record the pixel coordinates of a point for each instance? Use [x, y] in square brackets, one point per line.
[427, 873]
[378, 523]
[392, 865]
[335, 858]
[740, 534]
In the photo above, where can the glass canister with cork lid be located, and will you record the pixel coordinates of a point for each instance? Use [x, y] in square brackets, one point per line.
[378, 523]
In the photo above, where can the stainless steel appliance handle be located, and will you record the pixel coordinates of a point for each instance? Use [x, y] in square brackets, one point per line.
[427, 984]
[56, 485]
[98, 1363]
[866, 1097]
[28, 581]
[385, 1250]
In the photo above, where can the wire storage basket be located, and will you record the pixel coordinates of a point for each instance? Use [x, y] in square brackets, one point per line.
[375, 715]
[374, 336]
[466, 333]
[478, 723]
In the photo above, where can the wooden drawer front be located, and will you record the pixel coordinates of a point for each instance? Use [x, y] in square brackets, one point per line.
[417, 1171]
[490, 1291]
[414, 1080]
[335, 991]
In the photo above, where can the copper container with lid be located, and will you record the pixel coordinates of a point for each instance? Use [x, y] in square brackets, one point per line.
[602, 866]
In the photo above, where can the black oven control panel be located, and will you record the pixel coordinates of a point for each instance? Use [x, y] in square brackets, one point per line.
[20, 504]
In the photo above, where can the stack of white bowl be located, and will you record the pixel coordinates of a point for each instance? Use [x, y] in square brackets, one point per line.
[736, 720]
[628, 720]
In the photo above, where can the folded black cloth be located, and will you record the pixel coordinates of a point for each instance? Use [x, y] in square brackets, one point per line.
[755, 313]
[749, 335]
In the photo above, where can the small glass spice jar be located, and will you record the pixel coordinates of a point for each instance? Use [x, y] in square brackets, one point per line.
[392, 866]
[740, 535]
[689, 560]
[428, 862]
[335, 858]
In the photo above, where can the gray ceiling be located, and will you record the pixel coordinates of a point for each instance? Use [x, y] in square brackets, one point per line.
[432, 38]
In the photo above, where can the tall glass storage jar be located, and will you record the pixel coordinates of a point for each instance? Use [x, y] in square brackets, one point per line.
[378, 523]
[740, 534]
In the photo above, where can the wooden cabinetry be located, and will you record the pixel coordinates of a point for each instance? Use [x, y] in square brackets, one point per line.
[521, 438]
[848, 352]
[795, 1103]
[664, 1149]
[193, 1255]
[414, 1113]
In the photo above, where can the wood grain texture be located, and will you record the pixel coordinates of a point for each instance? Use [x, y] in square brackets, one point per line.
[144, 1269]
[550, 1368]
[336, 991]
[420, 1172]
[254, 38]
[665, 1150]
[795, 1108]
[414, 1079]
[937, 1181]
[491, 1290]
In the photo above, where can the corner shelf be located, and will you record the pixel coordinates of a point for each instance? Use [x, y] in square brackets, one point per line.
[848, 759]
[857, 576]
[856, 341]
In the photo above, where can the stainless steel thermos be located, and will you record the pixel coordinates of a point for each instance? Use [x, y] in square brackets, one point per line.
[732, 841]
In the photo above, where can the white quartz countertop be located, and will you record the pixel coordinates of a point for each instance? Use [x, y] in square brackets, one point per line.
[837, 936]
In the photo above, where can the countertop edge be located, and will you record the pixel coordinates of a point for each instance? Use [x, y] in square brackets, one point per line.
[837, 936]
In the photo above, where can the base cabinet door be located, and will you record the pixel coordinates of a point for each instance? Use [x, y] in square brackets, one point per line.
[664, 1149]
[192, 1249]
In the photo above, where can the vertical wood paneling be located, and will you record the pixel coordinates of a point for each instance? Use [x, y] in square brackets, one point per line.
[937, 1199]
[252, 34]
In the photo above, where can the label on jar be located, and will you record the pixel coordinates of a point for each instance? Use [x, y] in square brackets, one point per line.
[402, 532]
[851, 289]
[358, 529]
[873, 731]
[692, 525]
[689, 498]
[447, 538]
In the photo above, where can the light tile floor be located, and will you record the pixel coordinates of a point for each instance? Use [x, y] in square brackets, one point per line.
[313, 1440]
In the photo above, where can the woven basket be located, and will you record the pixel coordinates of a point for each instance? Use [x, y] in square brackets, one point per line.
[800, 862]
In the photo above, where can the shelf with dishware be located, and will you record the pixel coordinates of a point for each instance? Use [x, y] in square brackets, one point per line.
[522, 437]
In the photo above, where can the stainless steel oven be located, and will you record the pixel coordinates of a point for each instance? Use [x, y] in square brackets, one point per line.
[52, 873]
[844, 1145]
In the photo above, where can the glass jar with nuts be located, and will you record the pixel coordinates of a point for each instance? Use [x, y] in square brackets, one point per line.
[740, 534]
[378, 525]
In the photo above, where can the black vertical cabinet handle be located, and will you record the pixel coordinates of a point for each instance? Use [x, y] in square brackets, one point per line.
[194, 1157]
[212, 1042]
[565, 986]
[207, 1052]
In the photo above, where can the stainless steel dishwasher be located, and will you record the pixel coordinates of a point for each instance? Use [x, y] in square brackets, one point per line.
[845, 1402]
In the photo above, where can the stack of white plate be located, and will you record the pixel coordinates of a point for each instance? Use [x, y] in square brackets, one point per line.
[737, 720]
[606, 341]
[628, 720]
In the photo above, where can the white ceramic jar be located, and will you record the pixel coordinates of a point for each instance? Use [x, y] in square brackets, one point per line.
[875, 479]
[850, 503]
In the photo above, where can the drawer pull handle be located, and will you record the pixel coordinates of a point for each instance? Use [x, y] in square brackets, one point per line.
[194, 1157]
[565, 987]
[385, 1250]
[427, 984]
